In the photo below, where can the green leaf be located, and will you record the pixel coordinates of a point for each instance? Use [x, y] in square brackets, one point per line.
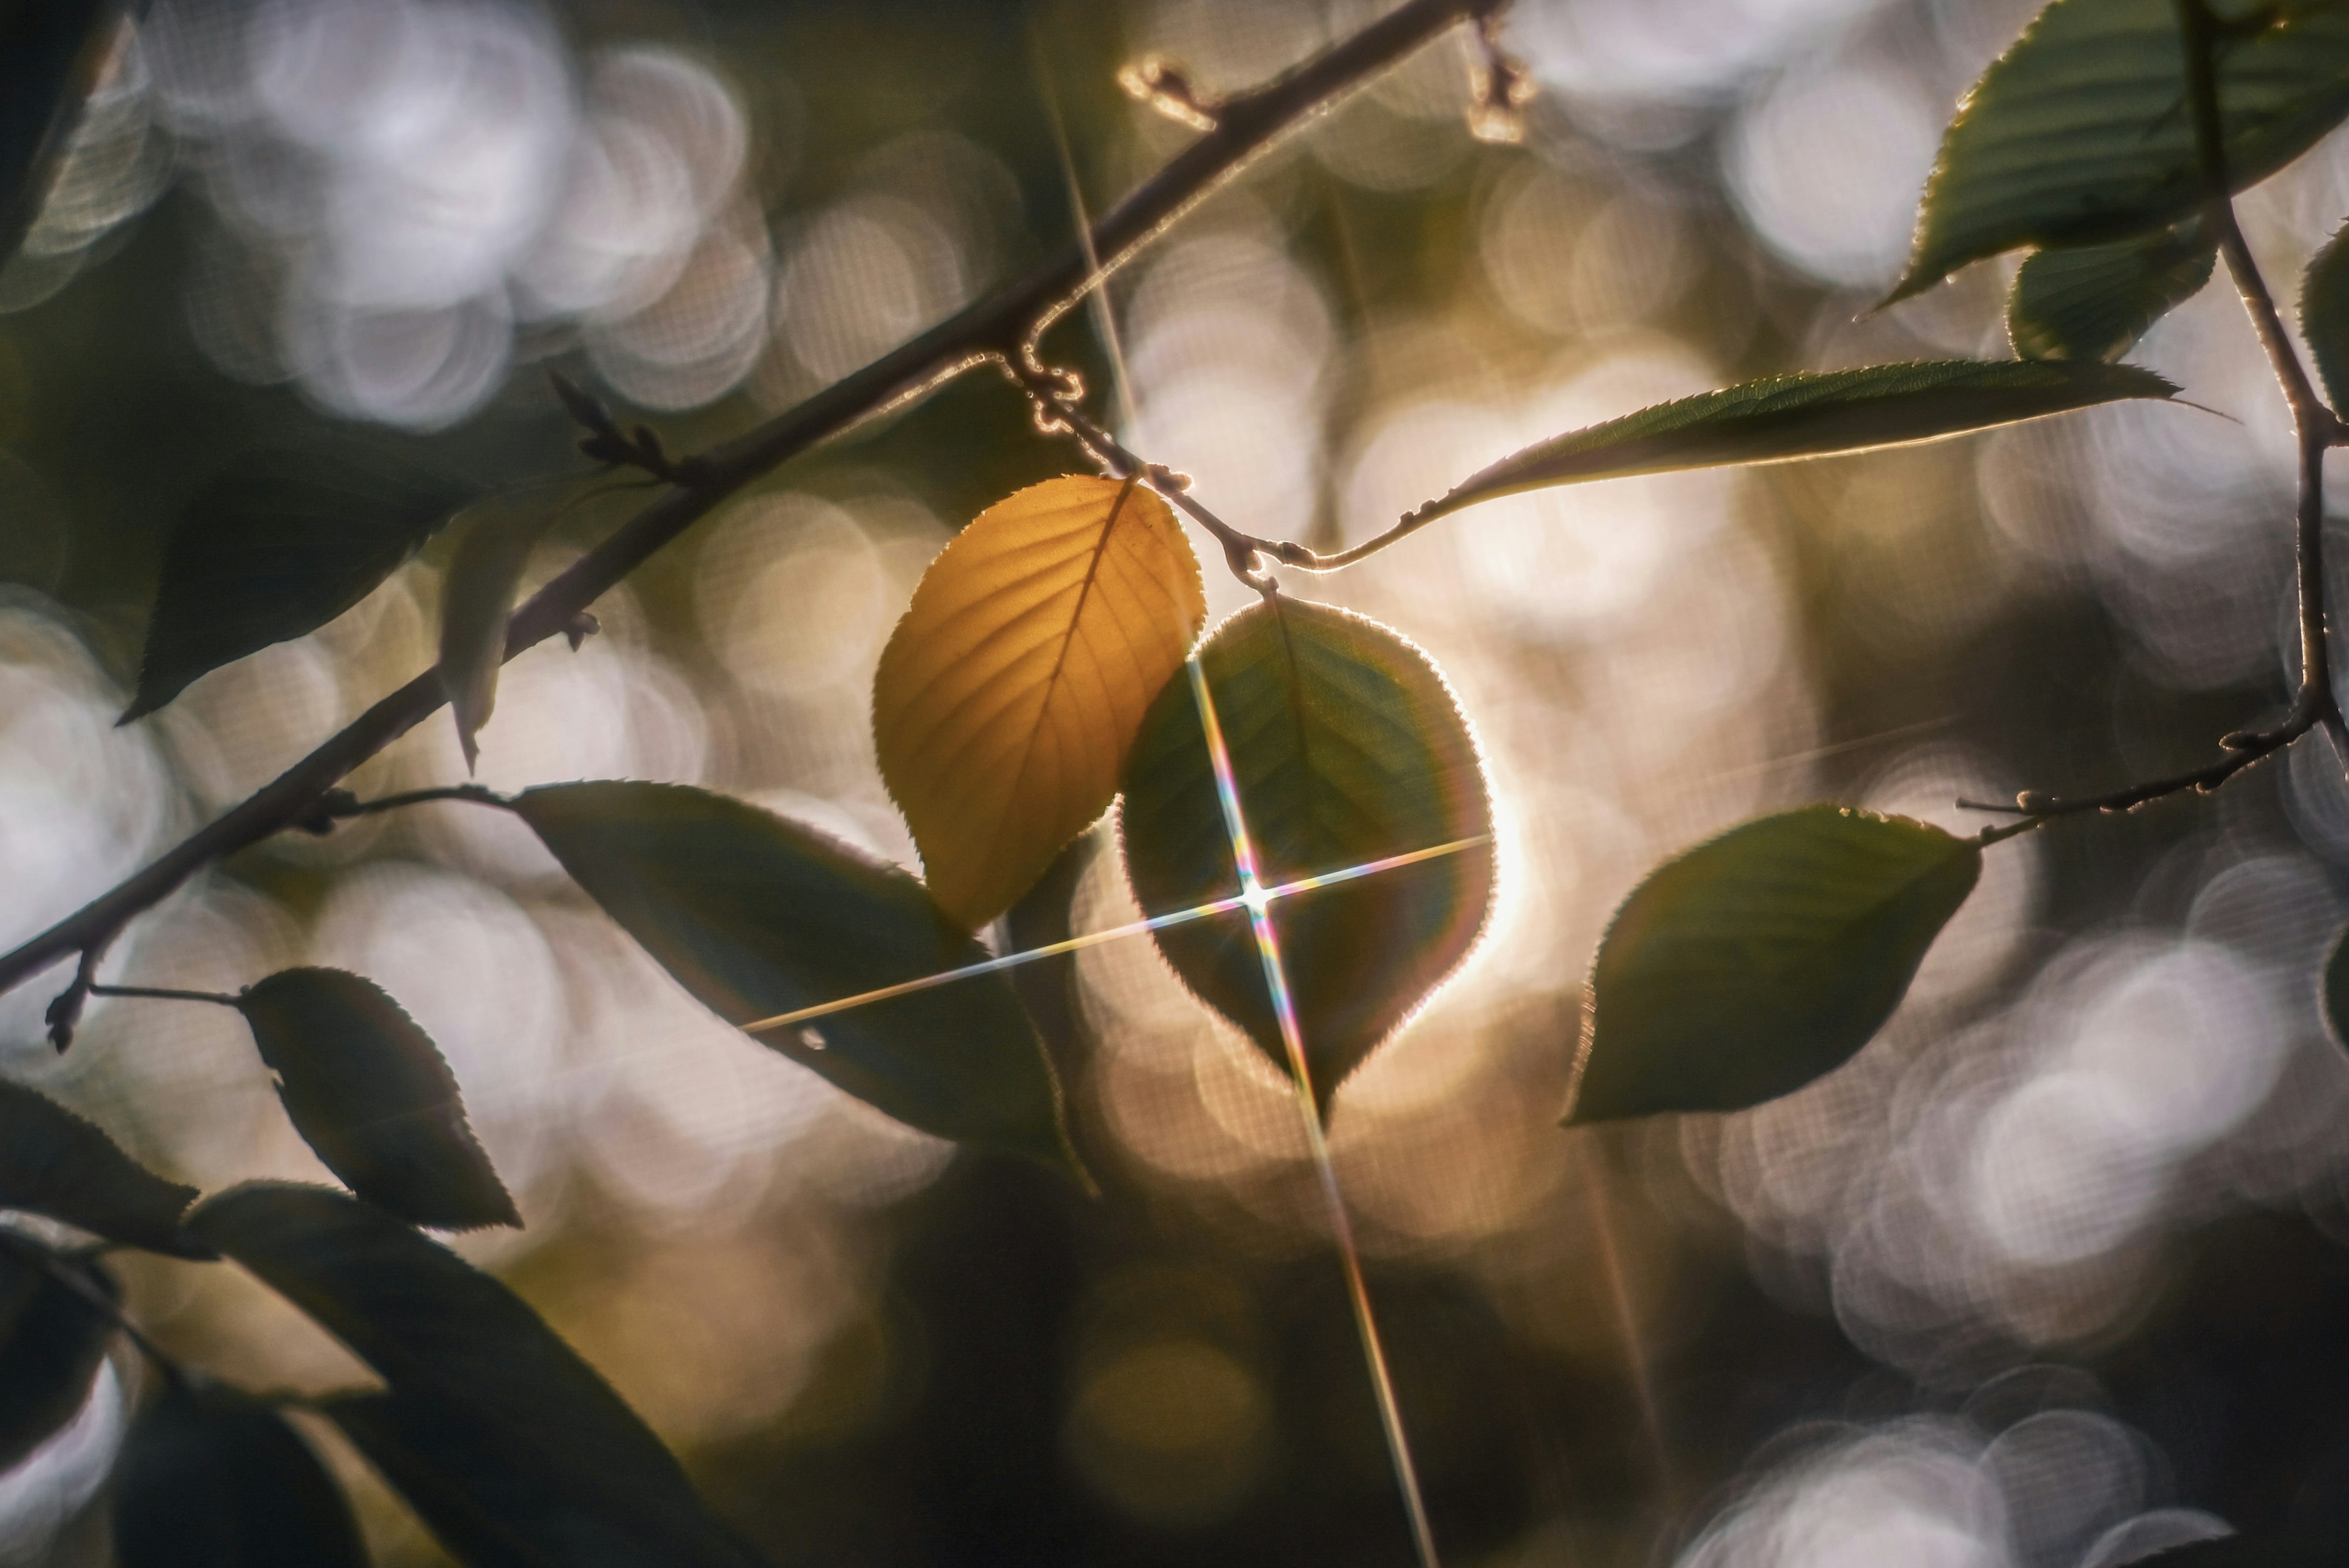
[368, 1090]
[452, 1342]
[1761, 960]
[2324, 315]
[52, 1339]
[2080, 134]
[1346, 748]
[50, 55]
[477, 599]
[209, 1477]
[1812, 414]
[277, 547]
[53, 1163]
[2335, 996]
[2094, 302]
[757, 915]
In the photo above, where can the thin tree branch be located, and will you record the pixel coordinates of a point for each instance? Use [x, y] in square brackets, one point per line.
[1004, 326]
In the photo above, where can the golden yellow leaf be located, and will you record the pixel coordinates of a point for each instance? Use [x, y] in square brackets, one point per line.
[1011, 691]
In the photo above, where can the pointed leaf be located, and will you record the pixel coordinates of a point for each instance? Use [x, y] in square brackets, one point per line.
[2094, 302]
[456, 1343]
[1762, 959]
[2324, 315]
[52, 1339]
[277, 547]
[209, 1477]
[758, 915]
[1009, 694]
[53, 1163]
[368, 1090]
[1346, 749]
[2079, 134]
[2335, 992]
[477, 599]
[50, 55]
[1811, 415]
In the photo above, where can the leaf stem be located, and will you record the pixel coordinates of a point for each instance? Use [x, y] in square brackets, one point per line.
[165, 993]
[479, 794]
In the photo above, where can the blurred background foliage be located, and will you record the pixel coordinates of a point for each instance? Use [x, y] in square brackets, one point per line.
[2051, 1273]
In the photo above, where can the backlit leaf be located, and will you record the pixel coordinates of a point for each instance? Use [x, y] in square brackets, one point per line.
[2080, 134]
[757, 915]
[1810, 415]
[2336, 991]
[2324, 315]
[1009, 695]
[477, 597]
[2094, 302]
[1762, 959]
[1347, 748]
[52, 1339]
[454, 1343]
[209, 1477]
[53, 1163]
[278, 546]
[368, 1089]
[50, 55]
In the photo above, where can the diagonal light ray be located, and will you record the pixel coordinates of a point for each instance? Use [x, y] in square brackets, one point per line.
[1112, 933]
[1259, 899]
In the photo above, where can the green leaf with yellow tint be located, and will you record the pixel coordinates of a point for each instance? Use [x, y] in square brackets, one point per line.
[2080, 134]
[368, 1089]
[758, 916]
[1346, 749]
[53, 1163]
[1009, 695]
[209, 1477]
[477, 599]
[2324, 315]
[1814, 414]
[1762, 959]
[456, 1344]
[2094, 302]
[52, 1337]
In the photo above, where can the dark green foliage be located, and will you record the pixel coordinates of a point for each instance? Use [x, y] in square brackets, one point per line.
[277, 546]
[50, 54]
[1347, 748]
[1810, 415]
[2335, 993]
[480, 1371]
[53, 1163]
[211, 1479]
[1761, 960]
[52, 1337]
[2079, 134]
[758, 915]
[368, 1089]
[2094, 302]
[2324, 315]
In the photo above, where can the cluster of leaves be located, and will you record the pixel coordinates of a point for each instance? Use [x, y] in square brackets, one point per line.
[1305, 814]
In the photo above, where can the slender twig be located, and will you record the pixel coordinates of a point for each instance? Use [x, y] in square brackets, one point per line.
[478, 794]
[1002, 326]
[164, 994]
[2315, 705]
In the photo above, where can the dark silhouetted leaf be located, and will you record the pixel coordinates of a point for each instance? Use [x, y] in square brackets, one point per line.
[278, 546]
[2094, 302]
[211, 1479]
[757, 915]
[2324, 315]
[52, 1339]
[1811, 414]
[477, 599]
[2300, 1549]
[2336, 991]
[1347, 748]
[1762, 959]
[50, 55]
[459, 1347]
[368, 1089]
[2079, 134]
[53, 1163]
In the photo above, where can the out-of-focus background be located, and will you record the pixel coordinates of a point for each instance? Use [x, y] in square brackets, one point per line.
[2052, 1274]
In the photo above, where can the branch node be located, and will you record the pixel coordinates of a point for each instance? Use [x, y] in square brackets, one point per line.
[579, 628]
[1165, 86]
[1499, 88]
